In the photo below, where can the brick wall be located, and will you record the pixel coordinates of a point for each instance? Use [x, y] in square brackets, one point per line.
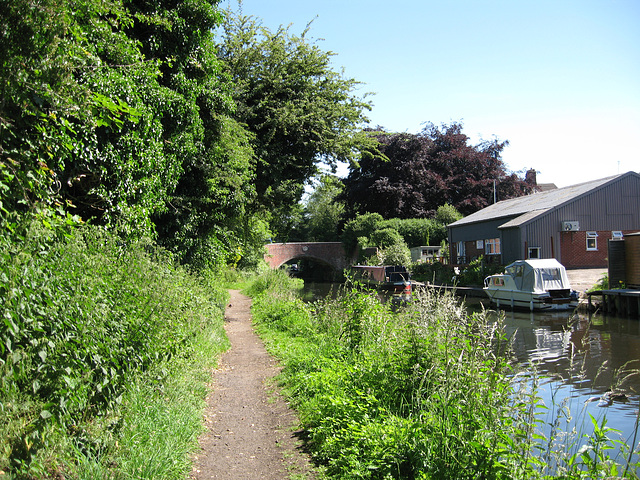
[331, 253]
[574, 253]
[473, 251]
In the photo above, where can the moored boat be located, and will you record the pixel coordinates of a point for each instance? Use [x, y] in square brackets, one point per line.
[393, 279]
[534, 284]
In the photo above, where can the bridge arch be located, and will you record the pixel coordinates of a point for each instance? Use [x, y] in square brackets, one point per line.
[329, 253]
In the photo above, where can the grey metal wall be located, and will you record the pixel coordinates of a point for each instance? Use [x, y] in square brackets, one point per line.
[511, 245]
[543, 233]
[613, 207]
[477, 231]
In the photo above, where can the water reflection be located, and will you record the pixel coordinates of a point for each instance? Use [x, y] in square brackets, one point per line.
[595, 349]
[582, 356]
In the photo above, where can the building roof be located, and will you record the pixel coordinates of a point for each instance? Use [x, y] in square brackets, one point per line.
[530, 206]
[524, 218]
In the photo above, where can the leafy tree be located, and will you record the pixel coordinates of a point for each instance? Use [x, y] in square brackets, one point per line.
[76, 121]
[37, 89]
[205, 221]
[300, 111]
[371, 229]
[359, 227]
[396, 254]
[392, 237]
[447, 214]
[412, 175]
[418, 231]
[391, 248]
[385, 237]
[323, 212]
[119, 110]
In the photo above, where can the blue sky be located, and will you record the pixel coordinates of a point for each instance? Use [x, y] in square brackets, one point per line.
[558, 79]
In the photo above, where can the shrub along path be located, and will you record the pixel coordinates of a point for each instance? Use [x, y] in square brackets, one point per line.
[250, 428]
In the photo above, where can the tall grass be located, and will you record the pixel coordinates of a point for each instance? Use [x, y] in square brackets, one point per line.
[427, 392]
[102, 344]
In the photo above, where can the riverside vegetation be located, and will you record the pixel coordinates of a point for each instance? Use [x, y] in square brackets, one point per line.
[107, 348]
[198, 129]
[105, 354]
[426, 392]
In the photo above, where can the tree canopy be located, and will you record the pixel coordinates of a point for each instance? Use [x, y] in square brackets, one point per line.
[323, 211]
[412, 175]
[200, 130]
[300, 111]
[119, 112]
[81, 109]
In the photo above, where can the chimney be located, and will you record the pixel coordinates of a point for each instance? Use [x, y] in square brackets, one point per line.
[530, 177]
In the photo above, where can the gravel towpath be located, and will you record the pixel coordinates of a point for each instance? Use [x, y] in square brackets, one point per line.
[251, 431]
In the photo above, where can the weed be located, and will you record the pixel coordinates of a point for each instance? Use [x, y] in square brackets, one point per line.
[426, 392]
[86, 319]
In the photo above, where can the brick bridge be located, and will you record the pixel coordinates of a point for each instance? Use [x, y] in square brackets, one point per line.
[328, 253]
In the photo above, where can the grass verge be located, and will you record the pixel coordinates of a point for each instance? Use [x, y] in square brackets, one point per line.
[106, 350]
[426, 392]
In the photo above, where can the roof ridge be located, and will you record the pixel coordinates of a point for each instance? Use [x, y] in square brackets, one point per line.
[514, 207]
[555, 190]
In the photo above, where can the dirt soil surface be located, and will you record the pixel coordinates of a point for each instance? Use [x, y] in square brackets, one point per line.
[251, 431]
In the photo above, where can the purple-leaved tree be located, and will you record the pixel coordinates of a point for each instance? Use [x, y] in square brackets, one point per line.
[411, 175]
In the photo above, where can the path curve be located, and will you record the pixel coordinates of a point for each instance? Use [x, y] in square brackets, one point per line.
[251, 431]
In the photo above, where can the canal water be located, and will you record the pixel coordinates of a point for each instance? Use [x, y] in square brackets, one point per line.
[580, 357]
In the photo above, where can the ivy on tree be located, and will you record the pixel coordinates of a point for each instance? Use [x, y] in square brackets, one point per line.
[119, 111]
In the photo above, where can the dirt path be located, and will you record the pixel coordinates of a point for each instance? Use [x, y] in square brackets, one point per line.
[251, 431]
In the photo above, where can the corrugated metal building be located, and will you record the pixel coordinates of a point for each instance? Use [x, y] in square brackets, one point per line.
[572, 224]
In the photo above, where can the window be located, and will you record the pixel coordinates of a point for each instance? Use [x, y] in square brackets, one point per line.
[492, 246]
[592, 241]
[515, 271]
[461, 253]
[533, 252]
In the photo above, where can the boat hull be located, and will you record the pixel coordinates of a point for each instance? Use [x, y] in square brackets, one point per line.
[539, 284]
[515, 299]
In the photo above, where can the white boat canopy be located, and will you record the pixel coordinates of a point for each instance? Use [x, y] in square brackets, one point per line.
[539, 275]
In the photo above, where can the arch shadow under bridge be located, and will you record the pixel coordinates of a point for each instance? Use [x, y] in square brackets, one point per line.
[329, 253]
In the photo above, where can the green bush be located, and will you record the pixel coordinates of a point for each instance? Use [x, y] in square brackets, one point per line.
[427, 392]
[446, 214]
[398, 254]
[475, 273]
[85, 315]
[603, 284]
[418, 231]
[435, 273]
[385, 237]
[361, 226]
